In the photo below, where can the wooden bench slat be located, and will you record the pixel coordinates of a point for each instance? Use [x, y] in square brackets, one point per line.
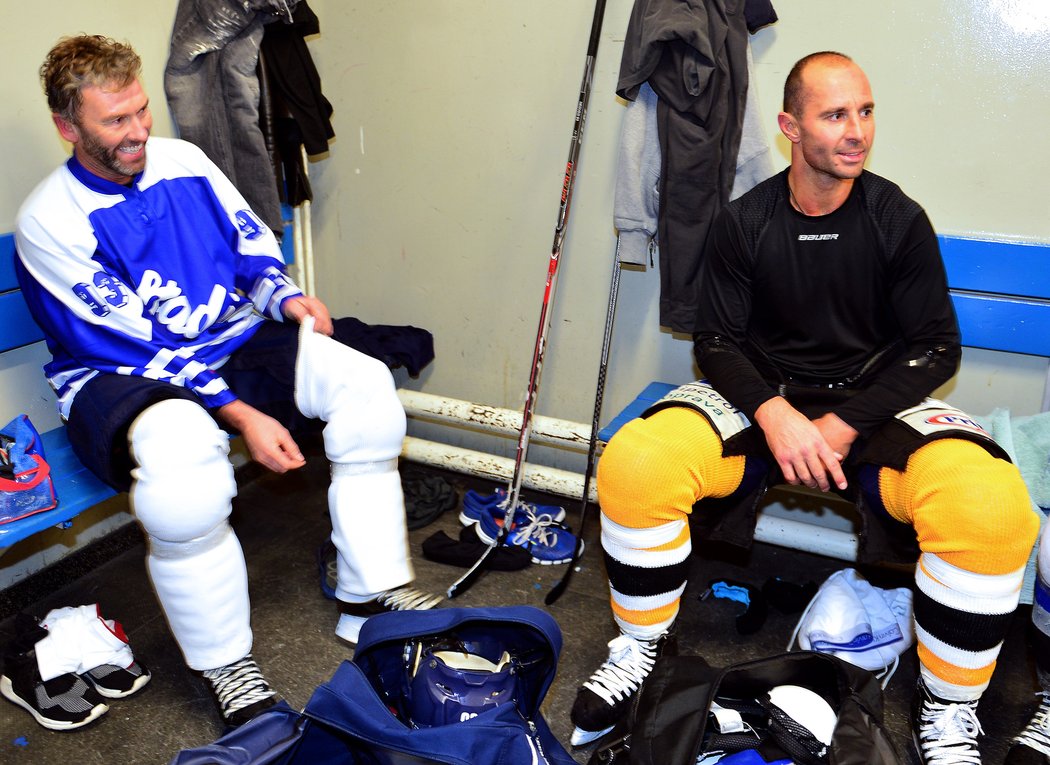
[18, 326]
[1006, 268]
[652, 393]
[1002, 324]
[7, 263]
[77, 489]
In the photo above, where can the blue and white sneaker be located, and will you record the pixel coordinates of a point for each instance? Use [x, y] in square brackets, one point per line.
[476, 505]
[546, 540]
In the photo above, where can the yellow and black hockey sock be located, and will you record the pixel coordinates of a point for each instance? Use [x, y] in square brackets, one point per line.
[975, 527]
[649, 477]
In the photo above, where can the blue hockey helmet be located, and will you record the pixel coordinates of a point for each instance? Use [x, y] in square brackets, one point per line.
[449, 684]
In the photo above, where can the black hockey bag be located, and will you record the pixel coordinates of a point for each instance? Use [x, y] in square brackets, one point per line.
[803, 707]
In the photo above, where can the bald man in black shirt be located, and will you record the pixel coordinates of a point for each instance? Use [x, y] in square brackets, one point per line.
[824, 327]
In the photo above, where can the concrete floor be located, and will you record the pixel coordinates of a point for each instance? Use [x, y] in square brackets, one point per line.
[281, 522]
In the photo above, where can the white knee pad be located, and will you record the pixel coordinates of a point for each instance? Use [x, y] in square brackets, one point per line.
[181, 493]
[183, 480]
[354, 394]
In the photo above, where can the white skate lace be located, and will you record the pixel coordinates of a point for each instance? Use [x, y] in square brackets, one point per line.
[1036, 734]
[630, 662]
[948, 733]
[239, 684]
[408, 599]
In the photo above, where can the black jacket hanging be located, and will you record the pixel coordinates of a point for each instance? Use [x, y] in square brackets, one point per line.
[301, 113]
[693, 53]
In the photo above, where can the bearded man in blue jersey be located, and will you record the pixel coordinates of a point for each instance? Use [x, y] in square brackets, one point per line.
[171, 322]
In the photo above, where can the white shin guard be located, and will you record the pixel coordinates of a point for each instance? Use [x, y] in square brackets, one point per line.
[368, 529]
[203, 588]
[365, 426]
[181, 494]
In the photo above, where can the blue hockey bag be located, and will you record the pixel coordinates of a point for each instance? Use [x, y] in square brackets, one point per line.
[449, 686]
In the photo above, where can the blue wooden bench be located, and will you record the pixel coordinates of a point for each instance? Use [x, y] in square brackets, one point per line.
[1001, 292]
[76, 487]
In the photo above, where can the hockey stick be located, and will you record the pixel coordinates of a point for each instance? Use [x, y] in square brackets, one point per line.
[599, 394]
[466, 581]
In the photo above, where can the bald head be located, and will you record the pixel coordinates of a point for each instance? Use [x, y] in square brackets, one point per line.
[795, 84]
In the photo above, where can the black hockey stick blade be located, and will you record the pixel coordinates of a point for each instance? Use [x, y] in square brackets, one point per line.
[558, 589]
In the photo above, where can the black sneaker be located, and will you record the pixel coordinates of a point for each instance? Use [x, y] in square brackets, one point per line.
[241, 691]
[406, 598]
[61, 703]
[118, 682]
[604, 700]
[945, 732]
[1032, 746]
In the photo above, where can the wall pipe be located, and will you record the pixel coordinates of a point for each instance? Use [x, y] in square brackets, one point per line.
[491, 419]
[771, 529]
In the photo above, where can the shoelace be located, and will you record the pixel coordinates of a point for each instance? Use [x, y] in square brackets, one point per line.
[331, 572]
[408, 599]
[948, 733]
[536, 530]
[630, 662]
[239, 684]
[529, 507]
[1036, 734]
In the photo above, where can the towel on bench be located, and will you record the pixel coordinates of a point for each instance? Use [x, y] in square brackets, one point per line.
[1027, 441]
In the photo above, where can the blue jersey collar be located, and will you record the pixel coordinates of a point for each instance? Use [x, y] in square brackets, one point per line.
[96, 183]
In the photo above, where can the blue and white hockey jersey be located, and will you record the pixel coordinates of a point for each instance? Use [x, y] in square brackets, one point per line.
[163, 279]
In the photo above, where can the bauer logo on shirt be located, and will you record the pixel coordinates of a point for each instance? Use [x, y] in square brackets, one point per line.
[250, 226]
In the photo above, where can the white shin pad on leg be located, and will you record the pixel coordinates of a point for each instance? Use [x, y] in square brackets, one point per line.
[365, 426]
[368, 529]
[181, 494]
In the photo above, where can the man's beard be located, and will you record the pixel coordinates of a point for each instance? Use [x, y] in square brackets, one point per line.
[108, 158]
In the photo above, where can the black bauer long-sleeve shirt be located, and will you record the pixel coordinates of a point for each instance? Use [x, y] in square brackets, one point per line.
[857, 297]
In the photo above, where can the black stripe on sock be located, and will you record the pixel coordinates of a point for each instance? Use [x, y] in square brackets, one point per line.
[960, 629]
[641, 582]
